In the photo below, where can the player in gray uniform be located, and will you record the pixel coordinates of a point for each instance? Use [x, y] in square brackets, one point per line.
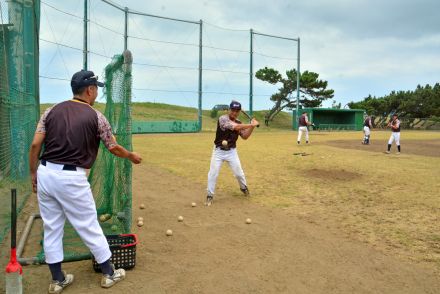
[71, 132]
[394, 124]
[228, 130]
[367, 130]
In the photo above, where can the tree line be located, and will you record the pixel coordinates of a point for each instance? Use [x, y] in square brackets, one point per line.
[423, 102]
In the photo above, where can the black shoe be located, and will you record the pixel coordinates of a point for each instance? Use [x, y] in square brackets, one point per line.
[245, 191]
[307, 142]
[298, 142]
[209, 200]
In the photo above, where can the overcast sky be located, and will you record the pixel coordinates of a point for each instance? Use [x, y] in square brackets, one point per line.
[359, 47]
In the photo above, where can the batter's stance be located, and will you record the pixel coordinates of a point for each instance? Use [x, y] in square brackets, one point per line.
[228, 130]
[367, 130]
[394, 124]
[71, 132]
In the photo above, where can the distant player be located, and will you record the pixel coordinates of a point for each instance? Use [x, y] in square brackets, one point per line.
[228, 130]
[367, 130]
[303, 123]
[394, 124]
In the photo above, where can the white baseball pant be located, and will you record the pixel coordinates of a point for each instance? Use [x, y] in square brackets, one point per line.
[300, 132]
[395, 136]
[66, 195]
[367, 131]
[217, 159]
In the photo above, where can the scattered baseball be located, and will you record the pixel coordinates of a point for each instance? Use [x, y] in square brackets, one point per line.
[140, 219]
[142, 206]
[140, 223]
[224, 143]
[248, 221]
[180, 218]
[169, 233]
[104, 217]
[193, 204]
[114, 228]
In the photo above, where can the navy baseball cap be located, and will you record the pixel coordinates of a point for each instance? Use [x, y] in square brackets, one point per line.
[84, 78]
[235, 105]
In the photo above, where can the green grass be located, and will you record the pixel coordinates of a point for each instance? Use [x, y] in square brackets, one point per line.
[147, 111]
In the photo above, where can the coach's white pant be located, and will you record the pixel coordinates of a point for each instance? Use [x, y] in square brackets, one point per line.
[395, 136]
[66, 194]
[231, 157]
[300, 133]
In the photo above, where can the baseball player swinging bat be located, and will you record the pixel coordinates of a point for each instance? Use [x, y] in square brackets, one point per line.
[248, 116]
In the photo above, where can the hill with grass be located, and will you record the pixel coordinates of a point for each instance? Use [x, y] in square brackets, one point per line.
[148, 111]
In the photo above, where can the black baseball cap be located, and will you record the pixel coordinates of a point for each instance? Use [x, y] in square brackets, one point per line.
[235, 105]
[84, 78]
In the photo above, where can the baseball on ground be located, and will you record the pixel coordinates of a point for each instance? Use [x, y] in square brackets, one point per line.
[180, 218]
[193, 204]
[140, 219]
[169, 233]
[248, 221]
[140, 223]
[142, 206]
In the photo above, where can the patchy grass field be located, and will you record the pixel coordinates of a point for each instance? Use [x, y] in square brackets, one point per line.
[388, 201]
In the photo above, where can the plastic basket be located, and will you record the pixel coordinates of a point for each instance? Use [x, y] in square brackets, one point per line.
[123, 249]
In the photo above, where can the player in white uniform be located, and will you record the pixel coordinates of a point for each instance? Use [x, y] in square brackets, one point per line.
[303, 123]
[71, 132]
[394, 124]
[367, 130]
[228, 130]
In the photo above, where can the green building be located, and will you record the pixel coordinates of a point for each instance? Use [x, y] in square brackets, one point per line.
[332, 118]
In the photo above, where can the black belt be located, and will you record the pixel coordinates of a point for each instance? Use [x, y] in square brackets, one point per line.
[65, 167]
[225, 148]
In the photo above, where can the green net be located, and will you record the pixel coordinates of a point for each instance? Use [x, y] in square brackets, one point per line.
[19, 101]
[110, 176]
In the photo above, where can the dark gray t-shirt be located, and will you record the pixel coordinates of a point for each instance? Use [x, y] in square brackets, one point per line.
[73, 130]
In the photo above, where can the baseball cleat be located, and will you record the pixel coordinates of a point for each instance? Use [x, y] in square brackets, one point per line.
[245, 191]
[397, 152]
[209, 200]
[57, 287]
[387, 152]
[107, 281]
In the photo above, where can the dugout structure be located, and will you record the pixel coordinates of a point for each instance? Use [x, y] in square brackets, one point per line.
[332, 119]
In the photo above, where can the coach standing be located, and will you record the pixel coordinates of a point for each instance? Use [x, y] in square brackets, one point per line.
[71, 132]
[228, 130]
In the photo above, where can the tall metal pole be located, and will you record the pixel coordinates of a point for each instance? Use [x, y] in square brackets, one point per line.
[85, 36]
[251, 74]
[297, 83]
[126, 28]
[200, 76]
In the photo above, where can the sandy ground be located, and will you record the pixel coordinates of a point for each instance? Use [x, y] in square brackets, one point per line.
[214, 251]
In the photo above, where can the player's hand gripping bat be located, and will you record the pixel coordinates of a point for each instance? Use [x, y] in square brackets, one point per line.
[248, 116]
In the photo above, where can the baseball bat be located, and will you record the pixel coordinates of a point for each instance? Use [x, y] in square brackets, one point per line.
[13, 269]
[248, 116]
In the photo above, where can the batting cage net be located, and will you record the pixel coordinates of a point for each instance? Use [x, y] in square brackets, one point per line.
[110, 176]
[19, 100]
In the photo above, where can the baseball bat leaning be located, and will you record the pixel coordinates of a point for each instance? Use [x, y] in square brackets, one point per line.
[248, 116]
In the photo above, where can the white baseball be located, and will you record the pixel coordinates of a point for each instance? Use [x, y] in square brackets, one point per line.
[140, 219]
[193, 204]
[169, 232]
[140, 223]
[180, 218]
[224, 143]
[142, 206]
[248, 221]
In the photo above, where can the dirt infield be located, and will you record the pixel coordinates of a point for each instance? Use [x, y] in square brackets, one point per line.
[214, 251]
[419, 147]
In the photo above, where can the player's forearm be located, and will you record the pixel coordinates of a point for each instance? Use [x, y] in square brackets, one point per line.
[120, 151]
[33, 157]
[247, 133]
[239, 127]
